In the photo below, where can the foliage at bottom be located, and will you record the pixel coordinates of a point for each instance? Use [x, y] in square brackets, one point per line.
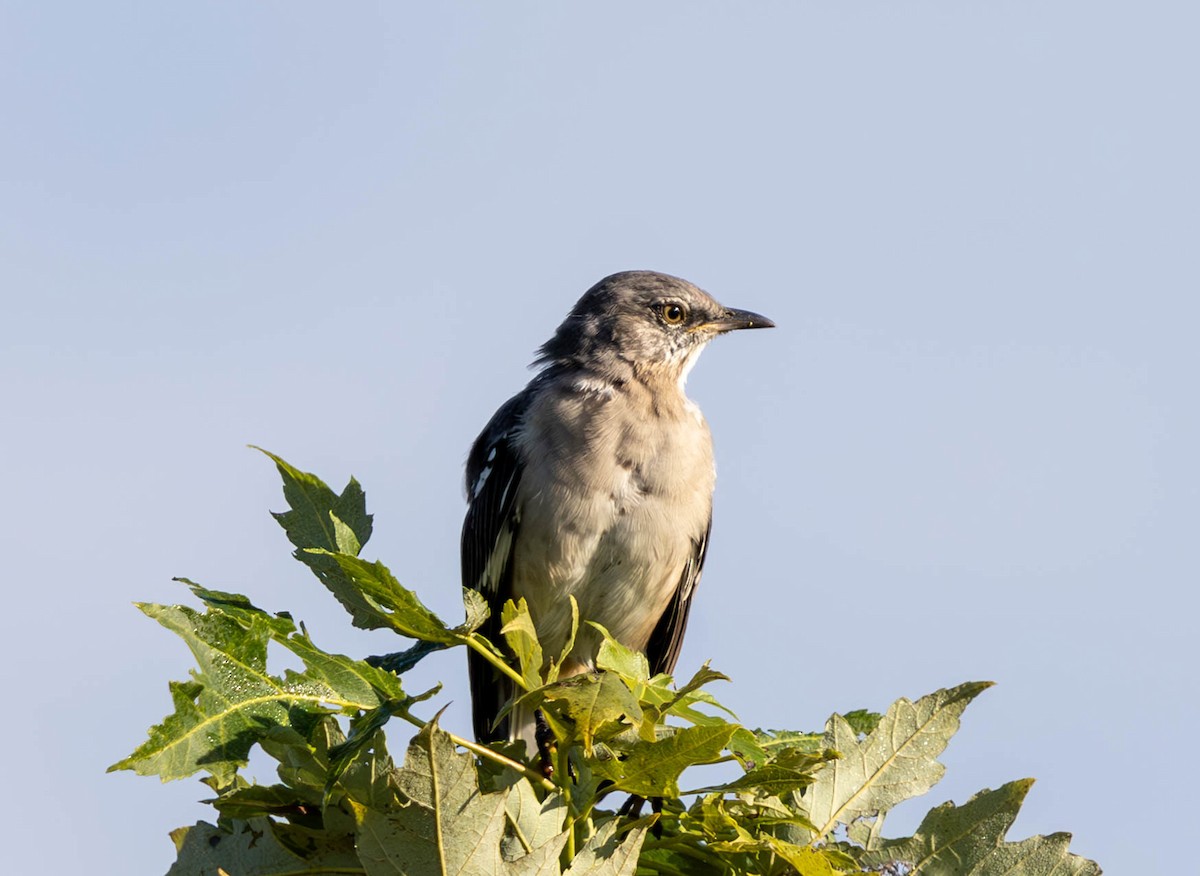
[811, 804]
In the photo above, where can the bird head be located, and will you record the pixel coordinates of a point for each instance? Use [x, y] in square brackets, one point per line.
[645, 320]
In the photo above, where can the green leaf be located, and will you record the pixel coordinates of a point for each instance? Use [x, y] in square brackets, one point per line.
[233, 702]
[344, 538]
[319, 519]
[609, 853]
[569, 645]
[769, 779]
[862, 721]
[394, 605]
[522, 639]
[354, 681]
[300, 805]
[252, 847]
[218, 716]
[615, 657]
[240, 608]
[368, 780]
[652, 769]
[659, 697]
[969, 839]
[746, 748]
[400, 662]
[444, 823]
[704, 675]
[475, 608]
[314, 506]
[364, 731]
[895, 762]
[534, 823]
[772, 741]
[806, 861]
[303, 762]
[594, 705]
[341, 806]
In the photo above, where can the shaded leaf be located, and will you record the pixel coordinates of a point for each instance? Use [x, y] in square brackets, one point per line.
[746, 748]
[301, 805]
[969, 840]
[252, 848]
[312, 522]
[400, 662]
[445, 823]
[364, 729]
[313, 506]
[393, 604]
[769, 779]
[863, 722]
[609, 853]
[533, 823]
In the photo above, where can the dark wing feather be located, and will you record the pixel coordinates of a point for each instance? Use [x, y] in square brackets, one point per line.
[489, 533]
[663, 648]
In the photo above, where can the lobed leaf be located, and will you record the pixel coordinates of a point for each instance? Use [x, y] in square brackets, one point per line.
[969, 839]
[444, 823]
[591, 705]
[631, 665]
[652, 769]
[608, 852]
[318, 520]
[233, 702]
[522, 639]
[252, 847]
[393, 605]
[534, 823]
[895, 762]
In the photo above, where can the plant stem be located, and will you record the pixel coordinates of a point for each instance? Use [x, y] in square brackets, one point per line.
[472, 642]
[494, 756]
[563, 769]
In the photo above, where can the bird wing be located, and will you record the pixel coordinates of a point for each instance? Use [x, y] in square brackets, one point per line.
[663, 648]
[489, 533]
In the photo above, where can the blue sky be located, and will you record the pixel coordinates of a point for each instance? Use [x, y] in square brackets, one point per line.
[967, 452]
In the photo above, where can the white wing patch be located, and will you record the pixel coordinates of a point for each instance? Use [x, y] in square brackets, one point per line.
[480, 481]
[495, 564]
[593, 386]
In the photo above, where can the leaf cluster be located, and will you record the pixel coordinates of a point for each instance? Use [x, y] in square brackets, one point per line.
[794, 803]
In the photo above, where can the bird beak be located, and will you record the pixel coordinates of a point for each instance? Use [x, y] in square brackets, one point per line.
[732, 320]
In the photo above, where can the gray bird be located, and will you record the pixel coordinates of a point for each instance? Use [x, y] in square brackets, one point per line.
[596, 481]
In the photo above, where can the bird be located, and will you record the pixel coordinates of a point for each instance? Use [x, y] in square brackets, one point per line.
[596, 481]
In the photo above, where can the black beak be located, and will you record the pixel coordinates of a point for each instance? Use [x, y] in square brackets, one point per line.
[732, 320]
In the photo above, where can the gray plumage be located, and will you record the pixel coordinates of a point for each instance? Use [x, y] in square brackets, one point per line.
[596, 481]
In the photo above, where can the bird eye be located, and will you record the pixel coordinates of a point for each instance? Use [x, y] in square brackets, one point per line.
[672, 314]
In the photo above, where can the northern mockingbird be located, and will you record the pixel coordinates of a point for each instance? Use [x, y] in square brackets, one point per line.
[596, 481]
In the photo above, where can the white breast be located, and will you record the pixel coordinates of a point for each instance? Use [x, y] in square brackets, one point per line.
[610, 514]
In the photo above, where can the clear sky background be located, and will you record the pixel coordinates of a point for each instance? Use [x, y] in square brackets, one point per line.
[340, 230]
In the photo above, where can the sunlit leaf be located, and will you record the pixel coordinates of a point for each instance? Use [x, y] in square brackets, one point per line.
[897, 761]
